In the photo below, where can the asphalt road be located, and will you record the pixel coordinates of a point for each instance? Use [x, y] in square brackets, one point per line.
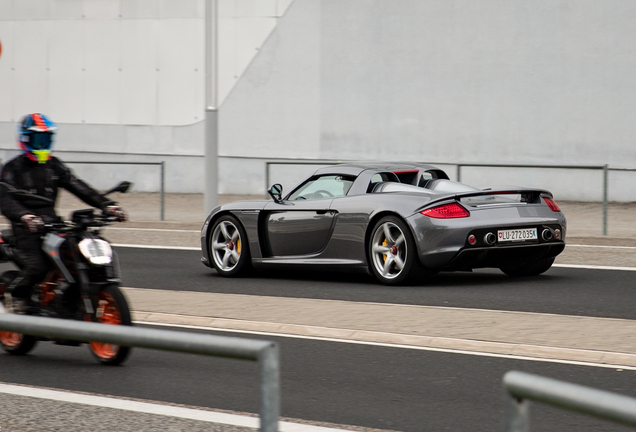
[597, 293]
[376, 387]
[342, 383]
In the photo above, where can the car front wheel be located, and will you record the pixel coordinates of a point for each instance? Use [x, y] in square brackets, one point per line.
[393, 254]
[229, 250]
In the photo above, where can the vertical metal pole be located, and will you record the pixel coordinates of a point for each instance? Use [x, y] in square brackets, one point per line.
[458, 175]
[517, 414]
[605, 199]
[266, 178]
[211, 109]
[163, 189]
[270, 388]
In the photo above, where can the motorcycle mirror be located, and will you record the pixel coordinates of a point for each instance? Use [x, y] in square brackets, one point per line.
[121, 187]
[276, 192]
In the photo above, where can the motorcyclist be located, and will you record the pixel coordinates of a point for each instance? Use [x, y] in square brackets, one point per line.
[36, 171]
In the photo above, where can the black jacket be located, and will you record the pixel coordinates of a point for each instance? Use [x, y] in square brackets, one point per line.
[43, 180]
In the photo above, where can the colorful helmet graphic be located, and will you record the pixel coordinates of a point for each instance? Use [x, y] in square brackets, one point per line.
[35, 132]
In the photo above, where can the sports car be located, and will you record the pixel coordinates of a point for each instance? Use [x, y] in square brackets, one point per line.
[400, 222]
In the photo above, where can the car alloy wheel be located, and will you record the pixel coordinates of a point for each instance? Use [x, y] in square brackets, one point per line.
[228, 247]
[389, 250]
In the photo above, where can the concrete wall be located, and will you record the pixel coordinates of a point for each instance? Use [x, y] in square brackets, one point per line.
[492, 81]
[489, 81]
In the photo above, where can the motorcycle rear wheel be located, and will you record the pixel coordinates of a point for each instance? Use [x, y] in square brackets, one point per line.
[112, 308]
[17, 343]
[14, 343]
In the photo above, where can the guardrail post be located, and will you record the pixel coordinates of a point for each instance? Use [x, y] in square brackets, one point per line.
[270, 389]
[266, 178]
[517, 414]
[605, 169]
[163, 182]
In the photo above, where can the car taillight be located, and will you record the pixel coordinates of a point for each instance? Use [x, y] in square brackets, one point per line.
[553, 206]
[446, 211]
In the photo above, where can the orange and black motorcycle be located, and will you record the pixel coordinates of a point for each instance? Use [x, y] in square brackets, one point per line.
[83, 283]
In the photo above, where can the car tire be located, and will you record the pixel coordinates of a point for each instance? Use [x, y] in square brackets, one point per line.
[533, 268]
[228, 247]
[392, 253]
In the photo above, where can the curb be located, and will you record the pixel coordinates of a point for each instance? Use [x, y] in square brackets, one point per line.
[536, 352]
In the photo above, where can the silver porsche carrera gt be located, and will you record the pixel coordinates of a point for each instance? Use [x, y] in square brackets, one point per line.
[401, 222]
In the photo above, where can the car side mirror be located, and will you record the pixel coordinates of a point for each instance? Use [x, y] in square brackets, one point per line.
[276, 192]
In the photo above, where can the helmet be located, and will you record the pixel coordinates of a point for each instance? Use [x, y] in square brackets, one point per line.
[35, 133]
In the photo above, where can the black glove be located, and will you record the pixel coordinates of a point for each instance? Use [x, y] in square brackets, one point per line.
[117, 212]
[32, 222]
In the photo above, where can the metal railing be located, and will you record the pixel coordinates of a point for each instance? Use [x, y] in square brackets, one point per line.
[265, 352]
[605, 168]
[162, 176]
[521, 387]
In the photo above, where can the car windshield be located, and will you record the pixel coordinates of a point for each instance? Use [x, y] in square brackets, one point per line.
[328, 186]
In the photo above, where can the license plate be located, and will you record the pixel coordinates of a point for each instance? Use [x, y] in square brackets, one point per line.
[513, 235]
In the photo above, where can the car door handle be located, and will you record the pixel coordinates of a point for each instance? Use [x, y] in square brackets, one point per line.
[321, 212]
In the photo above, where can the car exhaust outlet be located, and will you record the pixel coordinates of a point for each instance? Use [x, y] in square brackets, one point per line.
[490, 239]
[546, 234]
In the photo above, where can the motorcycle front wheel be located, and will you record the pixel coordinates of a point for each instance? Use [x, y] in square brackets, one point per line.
[112, 308]
[13, 343]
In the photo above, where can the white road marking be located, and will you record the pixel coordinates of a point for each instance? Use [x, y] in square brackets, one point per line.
[156, 247]
[594, 267]
[392, 345]
[158, 409]
[153, 229]
[600, 246]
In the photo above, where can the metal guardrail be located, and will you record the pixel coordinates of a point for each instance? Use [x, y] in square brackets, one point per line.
[520, 387]
[605, 168]
[265, 352]
[162, 176]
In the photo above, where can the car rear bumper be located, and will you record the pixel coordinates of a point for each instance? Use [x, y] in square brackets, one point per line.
[443, 243]
[498, 257]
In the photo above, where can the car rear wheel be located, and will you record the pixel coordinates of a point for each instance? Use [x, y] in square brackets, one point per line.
[533, 268]
[393, 254]
[229, 250]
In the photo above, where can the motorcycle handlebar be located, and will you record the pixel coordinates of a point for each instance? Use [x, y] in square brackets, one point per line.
[92, 220]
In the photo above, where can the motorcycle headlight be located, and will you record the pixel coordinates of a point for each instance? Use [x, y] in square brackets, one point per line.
[96, 251]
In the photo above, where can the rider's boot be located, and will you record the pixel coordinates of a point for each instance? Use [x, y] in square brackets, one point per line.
[15, 305]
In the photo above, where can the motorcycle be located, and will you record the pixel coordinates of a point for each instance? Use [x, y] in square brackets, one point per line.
[82, 284]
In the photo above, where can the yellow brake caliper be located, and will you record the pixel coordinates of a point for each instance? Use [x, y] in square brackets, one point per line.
[384, 243]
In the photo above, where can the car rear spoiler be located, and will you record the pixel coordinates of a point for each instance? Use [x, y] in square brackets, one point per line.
[530, 196]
